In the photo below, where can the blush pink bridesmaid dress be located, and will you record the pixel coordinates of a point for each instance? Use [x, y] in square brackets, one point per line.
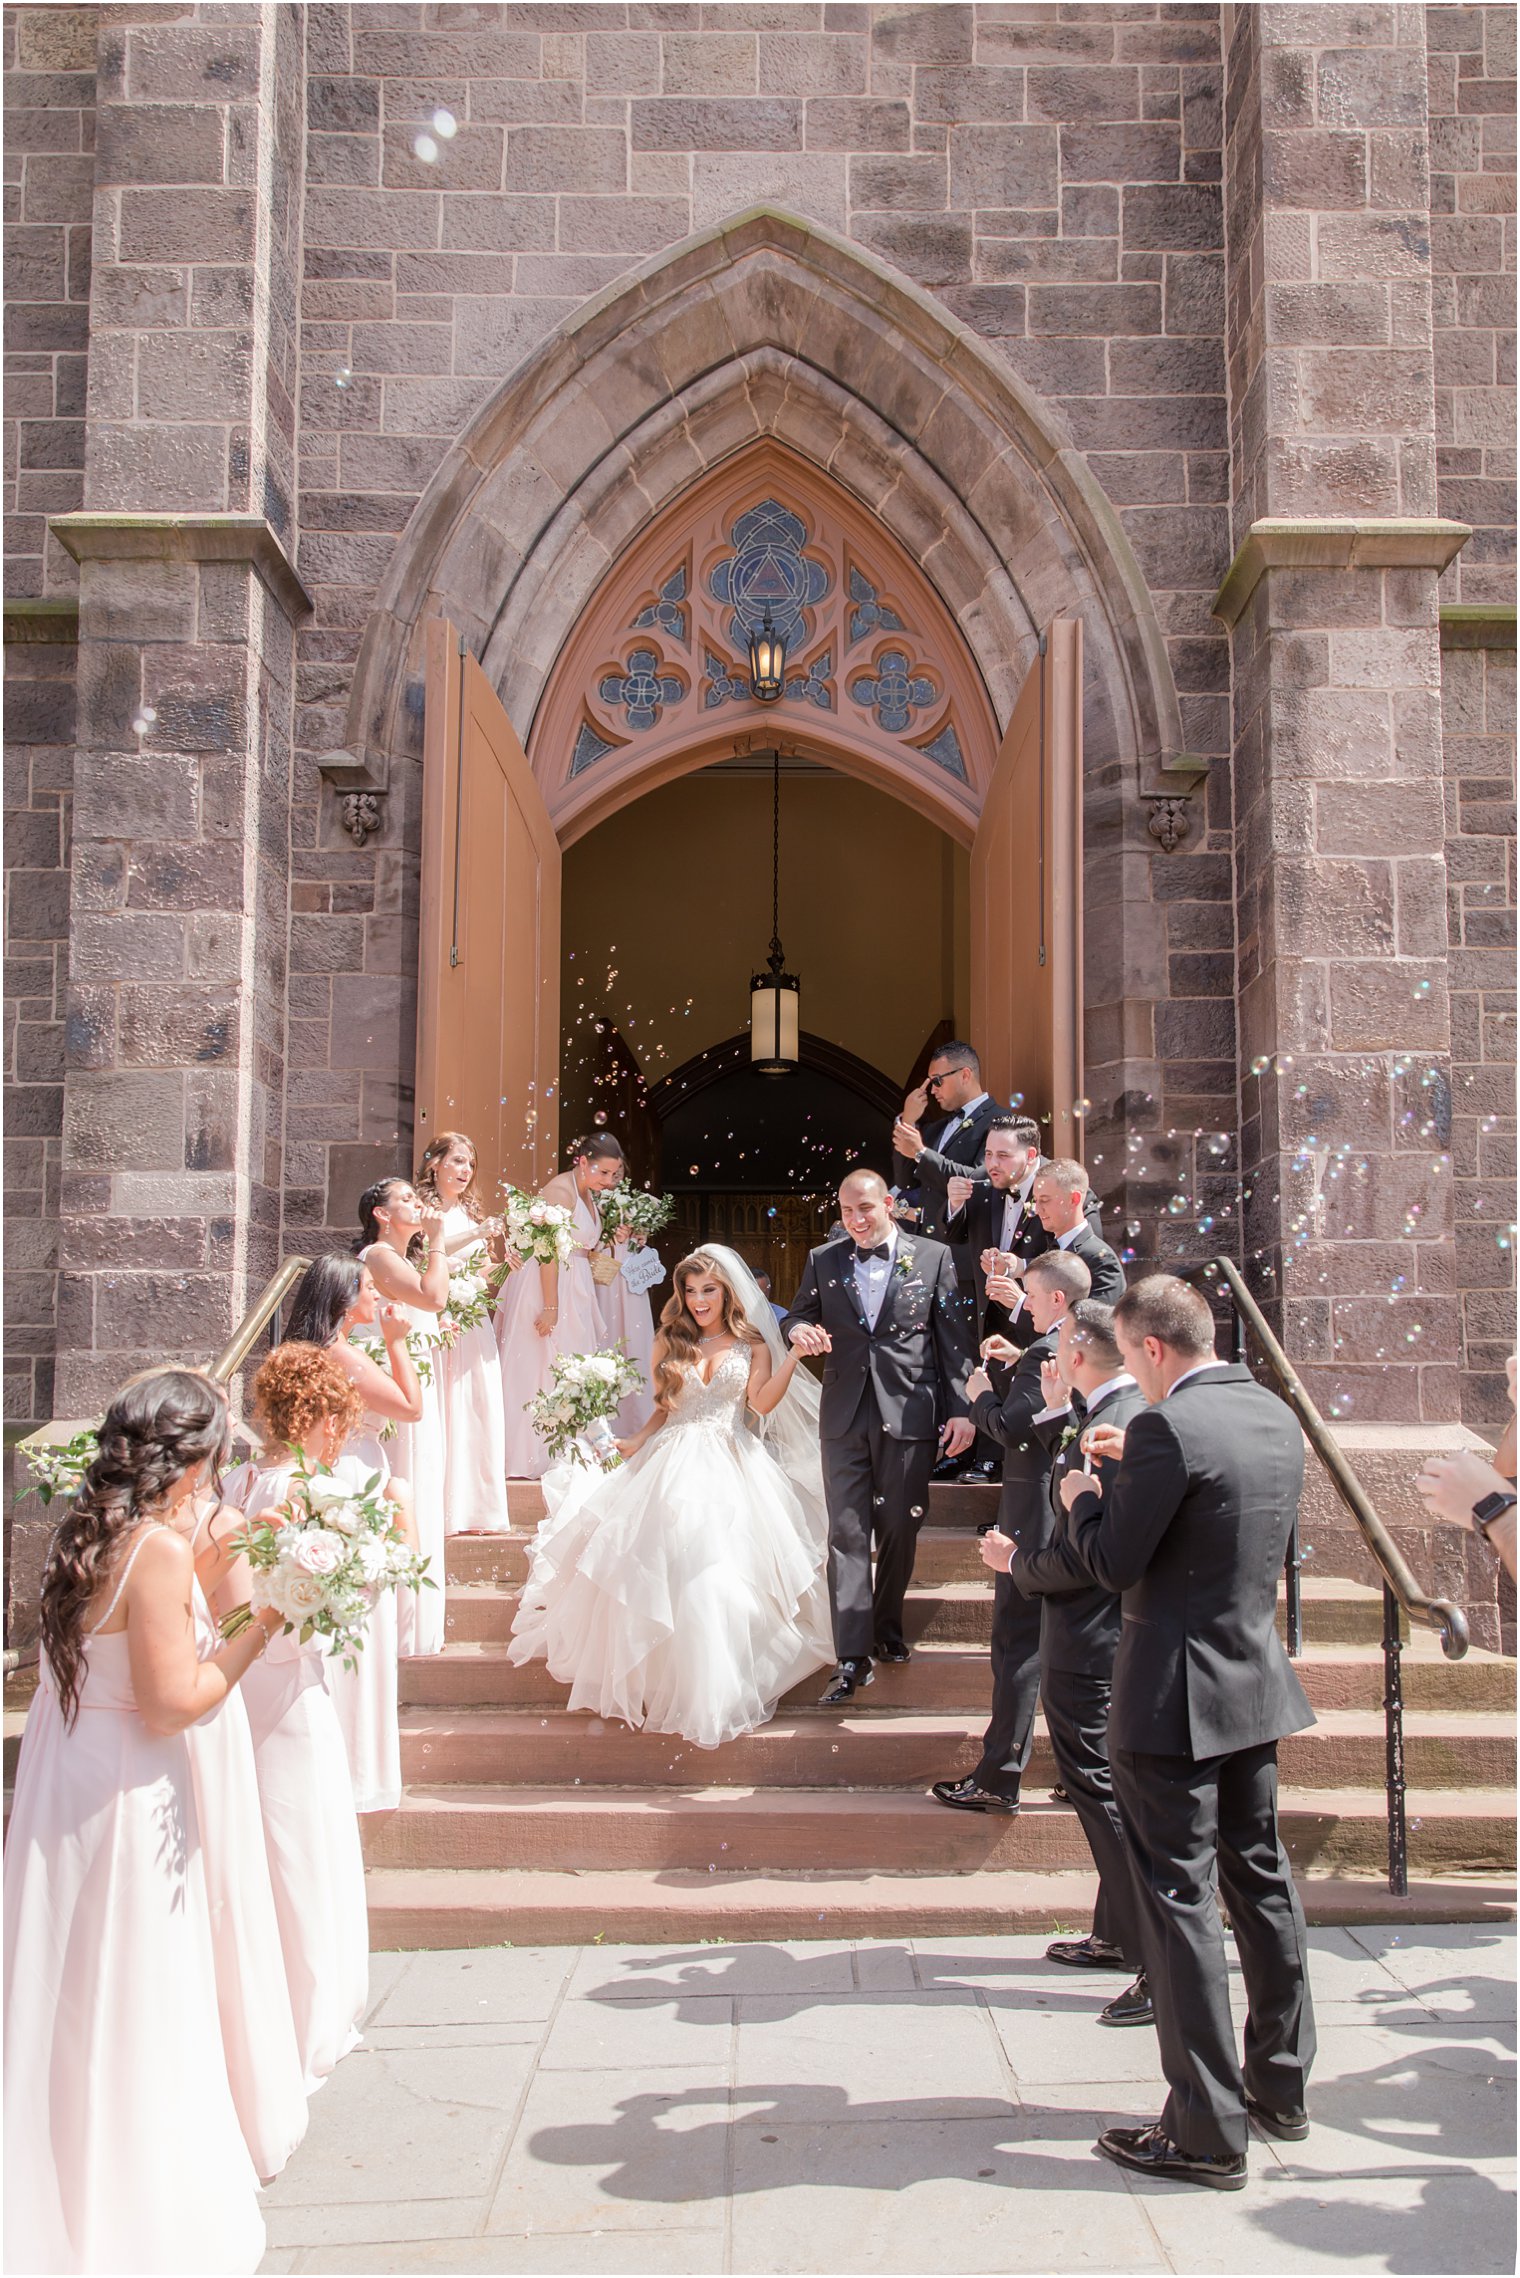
[628, 1320]
[417, 1452]
[366, 1696]
[475, 1456]
[526, 1357]
[122, 2145]
[258, 2030]
[311, 1831]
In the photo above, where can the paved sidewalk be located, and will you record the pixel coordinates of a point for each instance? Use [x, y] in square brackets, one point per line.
[897, 2107]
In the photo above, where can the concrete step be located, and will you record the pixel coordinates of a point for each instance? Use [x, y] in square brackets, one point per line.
[831, 1831]
[949, 1506]
[817, 1749]
[946, 1679]
[945, 1554]
[948, 1612]
[413, 1909]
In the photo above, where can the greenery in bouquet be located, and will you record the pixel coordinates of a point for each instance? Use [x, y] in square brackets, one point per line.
[570, 1415]
[644, 1214]
[325, 1567]
[471, 1300]
[537, 1232]
[57, 1467]
[420, 1343]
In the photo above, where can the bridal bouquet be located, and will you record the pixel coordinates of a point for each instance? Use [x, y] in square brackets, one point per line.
[58, 1468]
[631, 1206]
[324, 1569]
[570, 1417]
[471, 1300]
[538, 1233]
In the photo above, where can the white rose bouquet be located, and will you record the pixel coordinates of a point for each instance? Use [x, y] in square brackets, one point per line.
[471, 1300]
[570, 1417]
[643, 1214]
[538, 1233]
[325, 1567]
[57, 1467]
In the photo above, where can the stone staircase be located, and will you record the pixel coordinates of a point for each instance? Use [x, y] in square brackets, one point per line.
[524, 1824]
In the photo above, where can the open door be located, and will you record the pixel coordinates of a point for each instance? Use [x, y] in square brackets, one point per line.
[1026, 900]
[488, 1004]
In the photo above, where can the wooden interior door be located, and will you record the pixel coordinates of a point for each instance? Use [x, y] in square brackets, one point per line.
[1026, 899]
[488, 1004]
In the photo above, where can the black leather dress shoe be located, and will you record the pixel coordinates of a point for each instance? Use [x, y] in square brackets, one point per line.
[849, 1677]
[965, 1795]
[980, 1475]
[898, 1652]
[1292, 2127]
[1131, 2007]
[1086, 1954]
[1150, 2151]
[948, 1467]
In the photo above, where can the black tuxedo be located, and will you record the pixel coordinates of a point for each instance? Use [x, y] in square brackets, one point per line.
[1006, 1414]
[886, 1391]
[978, 1226]
[1079, 1635]
[958, 1155]
[1101, 1262]
[1192, 1529]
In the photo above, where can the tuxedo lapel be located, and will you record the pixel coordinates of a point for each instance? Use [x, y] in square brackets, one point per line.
[899, 1270]
[846, 1272]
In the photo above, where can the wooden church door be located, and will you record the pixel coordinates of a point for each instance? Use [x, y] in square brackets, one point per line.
[1026, 899]
[488, 1002]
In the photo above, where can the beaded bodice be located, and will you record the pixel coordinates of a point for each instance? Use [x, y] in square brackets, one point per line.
[717, 1406]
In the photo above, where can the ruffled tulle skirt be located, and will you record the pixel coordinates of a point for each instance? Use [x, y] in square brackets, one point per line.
[684, 1591]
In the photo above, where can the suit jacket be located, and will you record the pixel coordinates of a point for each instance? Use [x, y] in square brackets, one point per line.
[978, 1226]
[1080, 1629]
[1192, 1529]
[1100, 1261]
[1006, 1414]
[917, 1358]
[959, 1156]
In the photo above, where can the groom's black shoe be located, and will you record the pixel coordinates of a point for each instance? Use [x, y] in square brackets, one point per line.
[1150, 2151]
[897, 1652]
[1131, 2007]
[848, 1678]
[965, 1795]
[948, 1467]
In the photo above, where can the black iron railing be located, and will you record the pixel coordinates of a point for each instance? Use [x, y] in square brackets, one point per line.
[1402, 1596]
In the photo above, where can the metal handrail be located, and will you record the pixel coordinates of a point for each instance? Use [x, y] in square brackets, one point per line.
[1400, 1589]
[226, 1365]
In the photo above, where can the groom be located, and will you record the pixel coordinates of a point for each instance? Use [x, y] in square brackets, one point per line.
[888, 1311]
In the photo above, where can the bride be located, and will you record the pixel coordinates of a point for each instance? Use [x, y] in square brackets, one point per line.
[687, 1590]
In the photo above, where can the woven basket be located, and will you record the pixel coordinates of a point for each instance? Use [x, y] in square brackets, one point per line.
[604, 1267]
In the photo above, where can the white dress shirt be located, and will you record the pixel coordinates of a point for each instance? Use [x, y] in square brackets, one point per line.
[871, 1278]
[1189, 1373]
[961, 1115]
[1015, 1202]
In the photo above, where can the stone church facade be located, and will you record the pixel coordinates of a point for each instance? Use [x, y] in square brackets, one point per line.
[1194, 321]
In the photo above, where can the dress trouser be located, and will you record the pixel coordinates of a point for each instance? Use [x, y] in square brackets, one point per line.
[1009, 1737]
[877, 1489]
[1076, 1717]
[1182, 1820]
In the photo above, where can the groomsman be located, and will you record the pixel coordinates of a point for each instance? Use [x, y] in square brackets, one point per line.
[953, 1095]
[1191, 1529]
[886, 1309]
[1062, 1196]
[1079, 1634]
[1007, 1412]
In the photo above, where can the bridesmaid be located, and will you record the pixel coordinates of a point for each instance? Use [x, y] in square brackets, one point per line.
[390, 1220]
[628, 1320]
[472, 1415]
[302, 1400]
[333, 1296]
[549, 1310]
[122, 2145]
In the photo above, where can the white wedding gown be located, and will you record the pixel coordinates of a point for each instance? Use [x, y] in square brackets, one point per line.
[687, 1590]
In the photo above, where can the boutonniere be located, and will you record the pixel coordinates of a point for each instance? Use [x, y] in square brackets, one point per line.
[1071, 1432]
[902, 1266]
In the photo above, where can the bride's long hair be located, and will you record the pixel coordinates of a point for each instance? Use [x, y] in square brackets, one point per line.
[680, 1338]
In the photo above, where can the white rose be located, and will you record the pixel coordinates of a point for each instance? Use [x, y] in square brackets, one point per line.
[298, 1594]
[322, 1489]
[372, 1558]
[538, 1215]
[604, 1371]
[317, 1550]
[346, 1516]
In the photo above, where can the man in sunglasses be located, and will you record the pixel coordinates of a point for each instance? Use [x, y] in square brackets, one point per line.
[940, 1135]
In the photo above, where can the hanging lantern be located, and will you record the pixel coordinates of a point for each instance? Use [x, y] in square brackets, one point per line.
[767, 661]
[775, 996]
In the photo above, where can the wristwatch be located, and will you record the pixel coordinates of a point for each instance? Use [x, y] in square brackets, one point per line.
[1491, 1507]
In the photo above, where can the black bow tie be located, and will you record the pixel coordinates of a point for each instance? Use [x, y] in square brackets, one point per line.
[882, 1250]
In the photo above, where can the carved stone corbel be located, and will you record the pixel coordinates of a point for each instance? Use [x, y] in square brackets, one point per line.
[361, 814]
[359, 791]
[1169, 822]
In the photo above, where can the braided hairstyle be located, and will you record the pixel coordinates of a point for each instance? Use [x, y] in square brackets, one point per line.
[156, 1428]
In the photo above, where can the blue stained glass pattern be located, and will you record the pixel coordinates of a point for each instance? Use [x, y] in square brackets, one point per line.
[589, 748]
[665, 614]
[893, 691]
[722, 683]
[767, 571]
[813, 686]
[869, 614]
[642, 690]
[945, 751]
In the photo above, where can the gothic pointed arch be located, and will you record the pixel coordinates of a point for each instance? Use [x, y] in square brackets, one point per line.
[767, 326]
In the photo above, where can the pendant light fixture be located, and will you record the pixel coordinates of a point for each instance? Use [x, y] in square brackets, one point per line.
[767, 660]
[774, 995]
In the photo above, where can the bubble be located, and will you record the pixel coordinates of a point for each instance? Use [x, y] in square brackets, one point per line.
[445, 125]
[915, 1510]
[1420, 989]
[1132, 1227]
[1261, 1063]
[694, 1170]
[140, 725]
[424, 147]
[1489, 1123]
[343, 377]
[1177, 1206]
[1081, 1107]
[600, 1115]
[1016, 1102]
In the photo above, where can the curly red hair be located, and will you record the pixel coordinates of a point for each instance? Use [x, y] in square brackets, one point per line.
[301, 1387]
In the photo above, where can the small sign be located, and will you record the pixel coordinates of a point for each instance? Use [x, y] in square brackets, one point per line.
[641, 1269]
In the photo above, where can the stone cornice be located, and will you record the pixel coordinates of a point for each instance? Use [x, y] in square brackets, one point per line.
[1352, 542]
[186, 538]
[1478, 625]
[52, 621]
